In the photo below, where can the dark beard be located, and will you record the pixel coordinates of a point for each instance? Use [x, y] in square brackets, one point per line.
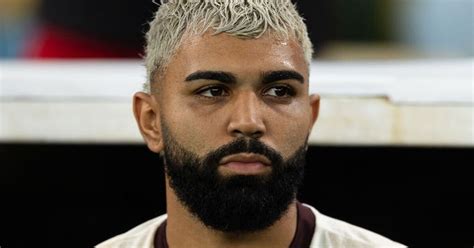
[236, 203]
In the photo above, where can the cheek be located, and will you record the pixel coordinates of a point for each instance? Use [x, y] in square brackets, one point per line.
[292, 138]
[290, 130]
[191, 130]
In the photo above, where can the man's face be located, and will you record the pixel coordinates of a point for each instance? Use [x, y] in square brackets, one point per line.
[234, 117]
[204, 112]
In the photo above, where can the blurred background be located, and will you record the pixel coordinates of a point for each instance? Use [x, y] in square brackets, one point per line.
[340, 29]
[390, 152]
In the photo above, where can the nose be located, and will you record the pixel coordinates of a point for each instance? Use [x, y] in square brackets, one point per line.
[246, 118]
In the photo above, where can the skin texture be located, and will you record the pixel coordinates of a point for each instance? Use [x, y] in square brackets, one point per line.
[278, 113]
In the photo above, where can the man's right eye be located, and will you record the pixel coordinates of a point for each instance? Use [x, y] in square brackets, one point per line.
[213, 91]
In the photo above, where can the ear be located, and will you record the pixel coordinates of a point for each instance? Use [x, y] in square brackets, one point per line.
[314, 103]
[146, 110]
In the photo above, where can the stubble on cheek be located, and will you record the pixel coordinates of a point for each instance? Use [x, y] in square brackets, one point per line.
[292, 138]
[194, 139]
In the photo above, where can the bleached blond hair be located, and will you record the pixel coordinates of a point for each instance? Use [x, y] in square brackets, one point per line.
[244, 19]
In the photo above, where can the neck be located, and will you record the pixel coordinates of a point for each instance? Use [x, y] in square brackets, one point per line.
[185, 230]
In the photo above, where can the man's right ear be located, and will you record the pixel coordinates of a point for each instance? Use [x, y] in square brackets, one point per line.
[146, 110]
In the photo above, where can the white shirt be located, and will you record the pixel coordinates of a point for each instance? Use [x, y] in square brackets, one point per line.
[329, 233]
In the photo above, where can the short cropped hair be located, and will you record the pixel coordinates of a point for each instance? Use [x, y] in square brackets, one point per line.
[244, 19]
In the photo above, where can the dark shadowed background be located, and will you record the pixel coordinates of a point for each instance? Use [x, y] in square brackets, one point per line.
[78, 195]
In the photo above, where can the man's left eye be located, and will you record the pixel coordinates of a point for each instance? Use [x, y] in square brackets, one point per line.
[279, 91]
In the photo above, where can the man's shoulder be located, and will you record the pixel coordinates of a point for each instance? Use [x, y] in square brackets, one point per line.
[140, 236]
[333, 233]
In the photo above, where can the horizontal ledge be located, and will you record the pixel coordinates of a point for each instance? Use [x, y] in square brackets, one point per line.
[345, 121]
[401, 81]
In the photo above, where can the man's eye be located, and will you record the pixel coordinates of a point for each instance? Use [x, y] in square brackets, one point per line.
[213, 92]
[279, 91]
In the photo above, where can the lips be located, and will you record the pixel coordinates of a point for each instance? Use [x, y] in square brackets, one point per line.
[245, 163]
[246, 158]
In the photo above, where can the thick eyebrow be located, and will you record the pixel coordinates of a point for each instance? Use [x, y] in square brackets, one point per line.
[221, 76]
[273, 76]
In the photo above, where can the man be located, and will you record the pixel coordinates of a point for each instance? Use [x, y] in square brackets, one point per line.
[227, 107]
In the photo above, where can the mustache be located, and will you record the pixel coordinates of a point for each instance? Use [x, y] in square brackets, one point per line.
[243, 145]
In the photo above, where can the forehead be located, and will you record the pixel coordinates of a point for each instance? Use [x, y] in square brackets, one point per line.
[224, 52]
